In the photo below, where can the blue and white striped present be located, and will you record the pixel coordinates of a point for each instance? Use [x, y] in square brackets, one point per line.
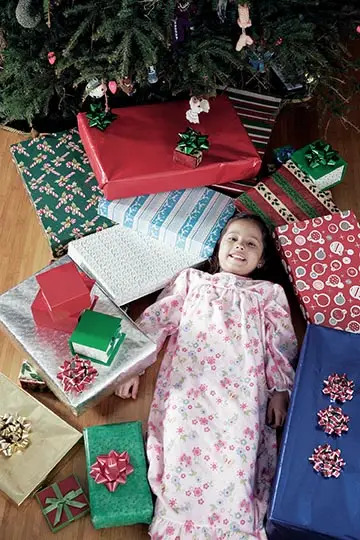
[188, 219]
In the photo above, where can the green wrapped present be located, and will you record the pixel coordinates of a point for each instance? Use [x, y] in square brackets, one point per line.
[61, 186]
[119, 492]
[321, 163]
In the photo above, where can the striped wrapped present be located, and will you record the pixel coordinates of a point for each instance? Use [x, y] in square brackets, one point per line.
[288, 195]
[258, 115]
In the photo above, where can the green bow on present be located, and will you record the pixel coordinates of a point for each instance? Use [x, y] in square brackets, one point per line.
[98, 117]
[62, 502]
[321, 153]
[192, 141]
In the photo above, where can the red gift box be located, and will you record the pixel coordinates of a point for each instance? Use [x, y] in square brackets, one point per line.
[134, 155]
[62, 502]
[64, 291]
[322, 258]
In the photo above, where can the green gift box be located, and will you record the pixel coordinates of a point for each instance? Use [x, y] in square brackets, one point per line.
[62, 503]
[130, 502]
[321, 163]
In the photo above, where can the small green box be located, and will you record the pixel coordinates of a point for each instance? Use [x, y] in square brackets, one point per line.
[321, 163]
[131, 502]
[97, 337]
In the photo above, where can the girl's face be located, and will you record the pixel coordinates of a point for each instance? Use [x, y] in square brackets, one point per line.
[241, 248]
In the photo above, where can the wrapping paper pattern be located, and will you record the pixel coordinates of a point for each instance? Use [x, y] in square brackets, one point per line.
[286, 196]
[322, 259]
[304, 504]
[47, 349]
[61, 186]
[127, 265]
[51, 439]
[189, 219]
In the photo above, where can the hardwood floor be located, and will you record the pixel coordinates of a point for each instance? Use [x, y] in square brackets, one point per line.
[24, 250]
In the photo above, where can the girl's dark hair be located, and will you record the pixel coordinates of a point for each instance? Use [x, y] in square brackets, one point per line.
[271, 260]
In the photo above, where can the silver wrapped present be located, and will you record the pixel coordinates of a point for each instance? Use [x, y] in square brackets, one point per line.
[48, 349]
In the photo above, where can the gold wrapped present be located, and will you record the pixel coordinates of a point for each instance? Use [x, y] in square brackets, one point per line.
[33, 440]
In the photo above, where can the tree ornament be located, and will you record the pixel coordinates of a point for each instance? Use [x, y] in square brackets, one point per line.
[127, 86]
[358, 29]
[112, 86]
[197, 106]
[25, 14]
[95, 88]
[221, 9]
[244, 22]
[51, 57]
[181, 22]
[152, 75]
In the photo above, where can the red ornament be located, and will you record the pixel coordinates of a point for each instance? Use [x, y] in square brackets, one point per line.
[358, 28]
[279, 41]
[51, 57]
[112, 86]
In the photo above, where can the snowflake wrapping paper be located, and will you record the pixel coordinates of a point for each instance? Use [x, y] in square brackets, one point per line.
[322, 258]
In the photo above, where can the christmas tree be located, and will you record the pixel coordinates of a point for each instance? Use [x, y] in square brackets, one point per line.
[57, 55]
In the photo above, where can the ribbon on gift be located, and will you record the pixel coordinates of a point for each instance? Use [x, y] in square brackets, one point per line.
[333, 420]
[62, 503]
[327, 461]
[76, 374]
[339, 387]
[321, 153]
[14, 434]
[99, 118]
[192, 141]
[111, 469]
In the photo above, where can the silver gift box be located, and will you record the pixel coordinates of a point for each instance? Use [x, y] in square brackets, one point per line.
[48, 349]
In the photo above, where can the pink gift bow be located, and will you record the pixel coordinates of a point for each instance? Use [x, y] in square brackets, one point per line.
[111, 469]
[76, 374]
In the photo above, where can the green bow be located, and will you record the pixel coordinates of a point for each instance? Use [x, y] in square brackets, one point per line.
[321, 153]
[62, 502]
[98, 117]
[192, 141]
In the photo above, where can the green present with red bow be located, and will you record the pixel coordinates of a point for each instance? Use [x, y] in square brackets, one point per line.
[62, 503]
[189, 150]
[321, 163]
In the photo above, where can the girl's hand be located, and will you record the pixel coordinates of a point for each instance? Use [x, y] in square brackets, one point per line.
[129, 388]
[277, 408]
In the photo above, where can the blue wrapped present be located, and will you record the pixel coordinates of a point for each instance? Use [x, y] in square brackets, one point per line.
[304, 504]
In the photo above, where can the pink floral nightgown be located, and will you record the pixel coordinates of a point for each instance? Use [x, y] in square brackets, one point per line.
[211, 455]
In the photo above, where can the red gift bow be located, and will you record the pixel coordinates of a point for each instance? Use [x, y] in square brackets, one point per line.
[111, 469]
[76, 374]
[339, 387]
[333, 420]
[327, 461]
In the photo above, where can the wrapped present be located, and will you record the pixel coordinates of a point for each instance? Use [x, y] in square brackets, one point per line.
[97, 337]
[33, 440]
[150, 131]
[62, 503]
[189, 219]
[48, 349]
[286, 196]
[321, 163]
[189, 150]
[119, 492]
[322, 258]
[61, 186]
[29, 378]
[121, 259]
[307, 504]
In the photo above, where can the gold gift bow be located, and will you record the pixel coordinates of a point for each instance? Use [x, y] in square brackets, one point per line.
[14, 434]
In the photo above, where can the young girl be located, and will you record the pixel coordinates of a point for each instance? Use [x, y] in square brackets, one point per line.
[226, 374]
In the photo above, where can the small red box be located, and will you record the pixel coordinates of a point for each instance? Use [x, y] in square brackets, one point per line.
[42, 316]
[58, 514]
[322, 258]
[64, 291]
[188, 160]
[134, 155]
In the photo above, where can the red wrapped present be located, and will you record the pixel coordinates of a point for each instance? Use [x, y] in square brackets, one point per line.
[322, 258]
[64, 291]
[62, 502]
[134, 155]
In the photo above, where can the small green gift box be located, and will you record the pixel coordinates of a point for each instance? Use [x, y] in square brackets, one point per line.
[62, 503]
[321, 163]
[119, 492]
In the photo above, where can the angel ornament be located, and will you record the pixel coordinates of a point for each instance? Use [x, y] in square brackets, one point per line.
[197, 106]
[244, 22]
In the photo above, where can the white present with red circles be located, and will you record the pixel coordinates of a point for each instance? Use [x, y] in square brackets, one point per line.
[322, 258]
